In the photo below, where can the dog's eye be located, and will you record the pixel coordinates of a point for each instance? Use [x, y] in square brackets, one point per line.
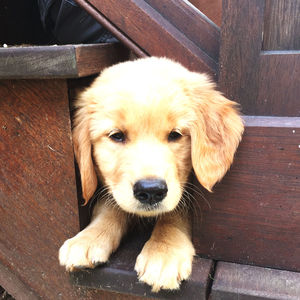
[174, 136]
[118, 136]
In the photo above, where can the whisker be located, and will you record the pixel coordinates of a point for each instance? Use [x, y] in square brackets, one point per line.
[196, 208]
[196, 190]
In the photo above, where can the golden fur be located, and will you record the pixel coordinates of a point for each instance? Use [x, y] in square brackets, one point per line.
[146, 100]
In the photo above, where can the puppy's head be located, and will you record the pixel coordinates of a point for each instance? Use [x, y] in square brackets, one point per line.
[143, 125]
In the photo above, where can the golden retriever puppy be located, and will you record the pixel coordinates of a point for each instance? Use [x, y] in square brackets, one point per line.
[140, 128]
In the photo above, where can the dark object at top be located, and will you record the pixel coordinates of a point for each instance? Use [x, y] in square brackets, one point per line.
[70, 24]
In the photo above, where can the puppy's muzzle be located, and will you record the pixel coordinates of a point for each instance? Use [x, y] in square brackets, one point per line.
[150, 191]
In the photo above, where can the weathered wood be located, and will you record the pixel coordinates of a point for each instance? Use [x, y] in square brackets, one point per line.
[263, 82]
[212, 9]
[136, 20]
[38, 200]
[192, 23]
[282, 25]
[279, 84]
[241, 282]
[13, 283]
[58, 61]
[117, 32]
[118, 274]
[91, 59]
[254, 213]
[241, 35]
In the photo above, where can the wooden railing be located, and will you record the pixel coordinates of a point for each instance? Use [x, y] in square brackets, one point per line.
[173, 29]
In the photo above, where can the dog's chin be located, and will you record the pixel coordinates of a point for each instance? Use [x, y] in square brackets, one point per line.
[145, 210]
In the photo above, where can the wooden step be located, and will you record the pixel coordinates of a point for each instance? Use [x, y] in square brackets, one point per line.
[209, 280]
[242, 282]
[68, 61]
[118, 274]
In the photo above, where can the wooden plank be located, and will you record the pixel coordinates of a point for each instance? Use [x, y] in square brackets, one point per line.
[254, 213]
[68, 61]
[212, 9]
[241, 282]
[108, 24]
[92, 59]
[263, 82]
[37, 62]
[279, 84]
[118, 274]
[192, 23]
[282, 25]
[38, 202]
[240, 47]
[136, 20]
[14, 284]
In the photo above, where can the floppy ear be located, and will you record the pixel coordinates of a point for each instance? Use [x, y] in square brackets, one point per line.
[83, 153]
[216, 131]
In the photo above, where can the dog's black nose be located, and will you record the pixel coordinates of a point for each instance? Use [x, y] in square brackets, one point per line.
[150, 191]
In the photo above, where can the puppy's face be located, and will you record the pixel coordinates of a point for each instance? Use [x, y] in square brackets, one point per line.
[147, 122]
[142, 145]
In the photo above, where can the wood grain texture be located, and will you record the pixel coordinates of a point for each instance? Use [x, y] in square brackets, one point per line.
[12, 283]
[137, 21]
[279, 84]
[241, 38]
[37, 177]
[254, 213]
[282, 25]
[58, 61]
[110, 26]
[241, 282]
[263, 82]
[37, 62]
[192, 23]
[211, 8]
[92, 59]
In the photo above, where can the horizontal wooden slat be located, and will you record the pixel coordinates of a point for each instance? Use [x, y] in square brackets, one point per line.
[69, 61]
[118, 274]
[265, 121]
[241, 282]
[254, 213]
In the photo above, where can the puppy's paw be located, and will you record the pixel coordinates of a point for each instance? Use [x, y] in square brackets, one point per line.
[84, 251]
[163, 266]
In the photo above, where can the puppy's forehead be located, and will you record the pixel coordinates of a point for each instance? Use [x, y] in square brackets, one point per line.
[153, 104]
[149, 93]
